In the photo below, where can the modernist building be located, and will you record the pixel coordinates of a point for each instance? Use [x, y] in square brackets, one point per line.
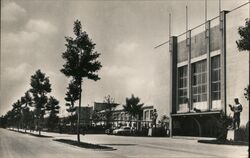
[203, 77]
[121, 117]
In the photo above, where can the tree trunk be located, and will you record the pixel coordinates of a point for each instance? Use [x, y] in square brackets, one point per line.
[137, 123]
[130, 120]
[18, 126]
[30, 127]
[71, 122]
[39, 126]
[78, 113]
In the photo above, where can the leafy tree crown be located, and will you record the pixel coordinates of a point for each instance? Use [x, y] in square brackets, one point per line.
[72, 94]
[133, 106]
[243, 43]
[81, 59]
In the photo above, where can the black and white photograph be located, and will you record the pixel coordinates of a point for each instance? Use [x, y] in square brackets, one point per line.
[124, 78]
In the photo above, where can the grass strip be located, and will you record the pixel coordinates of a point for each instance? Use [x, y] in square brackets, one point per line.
[85, 145]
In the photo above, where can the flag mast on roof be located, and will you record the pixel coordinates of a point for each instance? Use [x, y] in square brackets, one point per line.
[205, 11]
[186, 18]
[170, 34]
[219, 6]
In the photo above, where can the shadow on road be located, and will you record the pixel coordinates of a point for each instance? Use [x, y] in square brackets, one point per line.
[226, 142]
[120, 144]
[85, 145]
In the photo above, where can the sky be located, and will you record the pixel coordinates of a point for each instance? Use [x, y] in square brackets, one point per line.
[125, 32]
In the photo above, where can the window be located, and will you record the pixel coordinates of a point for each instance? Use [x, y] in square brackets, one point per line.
[182, 85]
[215, 78]
[151, 113]
[199, 81]
[146, 117]
[122, 116]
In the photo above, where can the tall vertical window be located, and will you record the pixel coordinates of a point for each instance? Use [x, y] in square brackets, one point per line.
[146, 115]
[199, 81]
[182, 85]
[151, 113]
[215, 78]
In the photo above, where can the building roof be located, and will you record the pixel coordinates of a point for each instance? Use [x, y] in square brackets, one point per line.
[148, 107]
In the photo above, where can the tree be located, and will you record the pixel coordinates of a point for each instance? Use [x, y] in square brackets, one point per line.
[72, 95]
[40, 86]
[10, 118]
[3, 121]
[81, 61]
[164, 121]
[133, 107]
[27, 118]
[110, 107]
[247, 93]
[17, 109]
[243, 44]
[26, 100]
[53, 108]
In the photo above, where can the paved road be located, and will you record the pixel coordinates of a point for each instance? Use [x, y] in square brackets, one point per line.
[17, 145]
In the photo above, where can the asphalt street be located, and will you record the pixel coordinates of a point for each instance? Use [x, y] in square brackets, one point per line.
[18, 145]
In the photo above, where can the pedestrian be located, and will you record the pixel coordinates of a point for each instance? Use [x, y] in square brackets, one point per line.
[154, 117]
[236, 109]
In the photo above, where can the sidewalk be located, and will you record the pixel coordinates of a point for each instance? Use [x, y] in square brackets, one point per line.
[143, 147]
[193, 138]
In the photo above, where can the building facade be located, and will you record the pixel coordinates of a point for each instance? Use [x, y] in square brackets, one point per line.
[121, 117]
[201, 68]
[85, 115]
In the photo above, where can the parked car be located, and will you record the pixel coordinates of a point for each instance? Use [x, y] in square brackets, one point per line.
[122, 131]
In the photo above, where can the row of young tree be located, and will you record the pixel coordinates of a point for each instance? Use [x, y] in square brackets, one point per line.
[30, 110]
[80, 63]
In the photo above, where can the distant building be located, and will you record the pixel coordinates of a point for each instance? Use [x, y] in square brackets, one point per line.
[207, 74]
[121, 117]
[102, 106]
[85, 114]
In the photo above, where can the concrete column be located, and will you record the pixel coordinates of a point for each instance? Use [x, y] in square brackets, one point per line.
[207, 36]
[223, 59]
[189, 71]
[173, 79]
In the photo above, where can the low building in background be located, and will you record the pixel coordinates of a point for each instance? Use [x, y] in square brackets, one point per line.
[122, 118]
[85, 115]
